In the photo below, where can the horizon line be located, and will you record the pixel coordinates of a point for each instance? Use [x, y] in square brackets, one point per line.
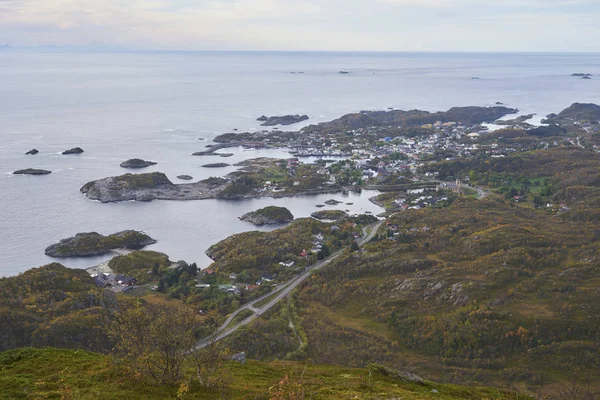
[108, 49]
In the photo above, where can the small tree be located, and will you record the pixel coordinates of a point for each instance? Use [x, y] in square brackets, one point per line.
[209, 360]
[154, 343]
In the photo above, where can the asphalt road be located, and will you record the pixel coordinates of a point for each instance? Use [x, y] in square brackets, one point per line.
[279, 293]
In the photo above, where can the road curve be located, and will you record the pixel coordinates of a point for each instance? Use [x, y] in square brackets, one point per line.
[279, 293]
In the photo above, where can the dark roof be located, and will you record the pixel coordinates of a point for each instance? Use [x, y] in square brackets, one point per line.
[101, 280]
[124, 279]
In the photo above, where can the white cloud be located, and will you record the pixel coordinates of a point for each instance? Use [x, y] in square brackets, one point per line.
[307, 25]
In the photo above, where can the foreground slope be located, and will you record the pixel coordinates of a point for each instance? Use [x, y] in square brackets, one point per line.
[58, 373]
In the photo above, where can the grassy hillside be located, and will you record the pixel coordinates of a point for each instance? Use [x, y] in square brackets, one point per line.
[53, 306]
[71, 374]
[492, 291]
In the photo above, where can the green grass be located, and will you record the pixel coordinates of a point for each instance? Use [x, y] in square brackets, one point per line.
[240, 317]
[265, 300]
[70, 374]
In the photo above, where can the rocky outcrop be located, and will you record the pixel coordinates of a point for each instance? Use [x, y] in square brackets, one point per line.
[262, 118]
[185, 177]
[136, 163]
[32, 171]
[74, 150]
[93, 244]
[148, 187]
[268, 216]
[32, 152]
[284, 120]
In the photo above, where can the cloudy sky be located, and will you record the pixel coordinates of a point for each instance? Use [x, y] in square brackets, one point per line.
[381, 25]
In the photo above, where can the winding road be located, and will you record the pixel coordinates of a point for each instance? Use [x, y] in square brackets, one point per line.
[280, 292]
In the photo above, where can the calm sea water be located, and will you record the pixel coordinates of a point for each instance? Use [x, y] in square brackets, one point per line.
[156, 105]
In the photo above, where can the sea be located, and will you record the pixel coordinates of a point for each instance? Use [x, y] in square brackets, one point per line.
[163, 106]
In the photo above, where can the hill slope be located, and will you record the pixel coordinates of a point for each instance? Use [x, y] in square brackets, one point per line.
[58, 373]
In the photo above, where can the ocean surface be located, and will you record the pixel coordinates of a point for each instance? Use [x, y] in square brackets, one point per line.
[157, 105]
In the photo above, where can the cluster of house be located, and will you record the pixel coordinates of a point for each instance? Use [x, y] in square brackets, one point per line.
[415, 202]
[234, 287]
[317, 244]
[116, 282]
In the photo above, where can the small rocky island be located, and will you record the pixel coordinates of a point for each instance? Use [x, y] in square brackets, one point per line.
[74, 150]
[93, 244]
[282, 120]
[185, 177]
[268, 216]
[137, 163]
[333, 202]
[333, 215]
[148, 187]
[32, 171]
[32, 152]
[216, 165]
[582, 75]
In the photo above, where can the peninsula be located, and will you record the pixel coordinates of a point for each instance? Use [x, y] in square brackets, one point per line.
[148, 187]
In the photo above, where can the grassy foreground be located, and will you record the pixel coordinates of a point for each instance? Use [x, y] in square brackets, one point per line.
[52, 373]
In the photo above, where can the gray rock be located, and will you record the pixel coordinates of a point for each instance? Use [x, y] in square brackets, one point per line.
[239, 357]
[185, 177]
[74, 150]
[32, 152]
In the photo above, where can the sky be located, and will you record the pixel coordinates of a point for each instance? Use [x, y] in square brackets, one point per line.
[305, 25]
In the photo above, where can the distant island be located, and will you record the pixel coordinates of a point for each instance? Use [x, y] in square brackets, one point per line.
[136, 163]
[32, 171]
[282, 120]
